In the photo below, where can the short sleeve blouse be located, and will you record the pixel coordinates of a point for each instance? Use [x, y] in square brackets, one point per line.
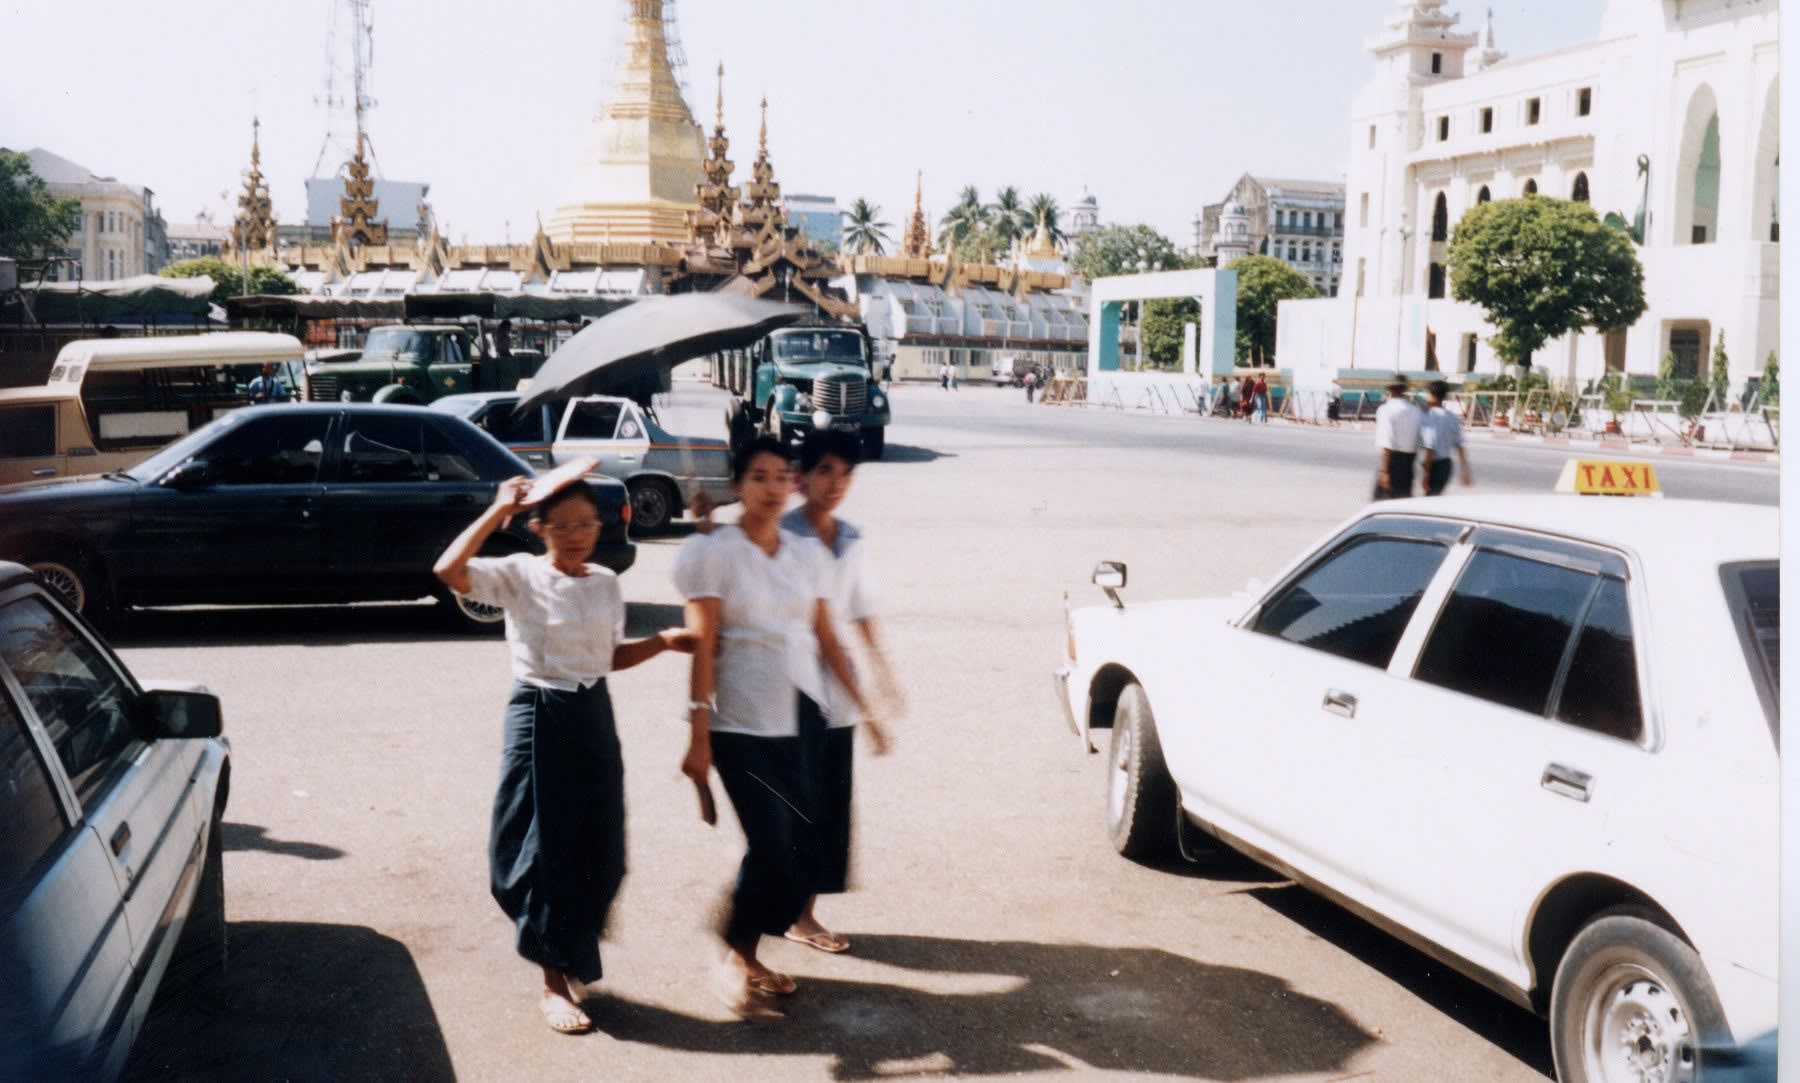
[561, 628]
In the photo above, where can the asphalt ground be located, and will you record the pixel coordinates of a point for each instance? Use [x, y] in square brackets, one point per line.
[994, 932]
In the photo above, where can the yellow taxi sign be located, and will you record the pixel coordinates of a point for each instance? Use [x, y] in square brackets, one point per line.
[1608, 477]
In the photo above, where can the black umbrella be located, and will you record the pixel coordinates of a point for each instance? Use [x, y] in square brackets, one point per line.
[628, 352]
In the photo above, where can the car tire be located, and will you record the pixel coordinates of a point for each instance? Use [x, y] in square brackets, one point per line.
[1140, 795]
[776, 428]
[874, 442]
[654, 504]
[1632, 1001]
[398, 395]
[202, 951]
[470, 617]
[77, 580]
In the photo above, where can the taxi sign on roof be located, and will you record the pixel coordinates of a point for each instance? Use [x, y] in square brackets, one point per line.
[1608, 477]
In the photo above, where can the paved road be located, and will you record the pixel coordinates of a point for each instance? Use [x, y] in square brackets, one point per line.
[995, 933]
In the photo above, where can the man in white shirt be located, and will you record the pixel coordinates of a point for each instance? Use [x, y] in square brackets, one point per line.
[1440, 433]
[1397, 441]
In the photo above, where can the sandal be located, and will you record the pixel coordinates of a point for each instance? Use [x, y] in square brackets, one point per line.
[772, 983]
[564, 1015]
[823, 941]
[745, 1000]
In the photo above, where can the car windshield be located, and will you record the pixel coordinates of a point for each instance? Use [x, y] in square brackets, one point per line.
[181, 450]
[462, 407]
[819, 346]
[401, 342]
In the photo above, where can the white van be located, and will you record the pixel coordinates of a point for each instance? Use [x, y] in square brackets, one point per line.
[110, 402]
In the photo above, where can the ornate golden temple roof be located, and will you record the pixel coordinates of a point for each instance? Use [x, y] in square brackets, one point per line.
[253, 230]
[357, 209]
[917, 244]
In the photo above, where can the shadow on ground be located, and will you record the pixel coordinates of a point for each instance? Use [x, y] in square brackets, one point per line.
[1056, 1006]
[1509, 1027]
[907, 453]
[298, 1003]
[256, 837]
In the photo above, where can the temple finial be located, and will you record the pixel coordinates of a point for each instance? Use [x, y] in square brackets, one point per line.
[719, 107]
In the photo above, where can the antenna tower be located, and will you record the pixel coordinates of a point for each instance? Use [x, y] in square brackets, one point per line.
[361, 33]
[672, 36]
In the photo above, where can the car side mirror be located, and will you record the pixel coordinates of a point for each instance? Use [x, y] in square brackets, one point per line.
[179, 712]
[1110, 576]
[189, 475]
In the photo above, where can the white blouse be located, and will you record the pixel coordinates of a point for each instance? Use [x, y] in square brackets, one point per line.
[767, 651]
[561, 628]
[852, 600]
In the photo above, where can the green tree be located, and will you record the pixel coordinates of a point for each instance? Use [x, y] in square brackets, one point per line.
[1769, 388]
[1720, 371]
[1007, 218]
[1263, 283]
[228, 278]
[1542, 268]
[965, 221]
[1118, 250]
[33, 223]
[1043, 212]
[1164, 329]
[864, 232]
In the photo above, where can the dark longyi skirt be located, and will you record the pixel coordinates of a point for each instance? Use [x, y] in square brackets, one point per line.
[556, 851]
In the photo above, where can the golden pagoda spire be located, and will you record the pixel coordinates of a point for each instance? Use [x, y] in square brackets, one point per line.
[761, 211]
[917, 244]
[710, 223]
[358, 206]
[253, 229]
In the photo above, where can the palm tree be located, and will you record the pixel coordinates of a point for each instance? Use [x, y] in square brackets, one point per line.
[1007, 217]
[862, 233]
[965, 221]
[1043, 211]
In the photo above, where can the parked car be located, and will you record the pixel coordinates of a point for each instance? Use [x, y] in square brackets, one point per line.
[111, 402]
[662, 471]
[111, 879]
[306, 502]
[1534, 736]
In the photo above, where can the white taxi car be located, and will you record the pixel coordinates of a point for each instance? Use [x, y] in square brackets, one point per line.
[112, 794]
[1536, 737]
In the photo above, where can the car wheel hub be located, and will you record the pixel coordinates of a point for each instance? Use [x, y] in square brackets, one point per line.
[477, 611]
[648, 505]
[1638, 1031]
[1119, 777]
[63, 580]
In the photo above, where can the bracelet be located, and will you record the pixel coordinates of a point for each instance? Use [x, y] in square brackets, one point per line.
[700, 705]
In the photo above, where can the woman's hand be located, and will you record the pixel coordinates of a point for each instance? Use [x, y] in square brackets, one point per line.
[880, 744]
[698, 761]
[677, 639]
[509, 498]
[702, 510]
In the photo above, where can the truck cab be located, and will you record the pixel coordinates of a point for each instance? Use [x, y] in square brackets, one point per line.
[418, 363]
[804, 377]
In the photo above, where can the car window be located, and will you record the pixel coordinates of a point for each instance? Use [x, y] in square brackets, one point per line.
[445, 459]
[592, 421]
[510, 427]
[1754, 593]
[282, 450]
[1356, 602]
[453, 351]
[83, 704]
[1600, 692]
[27, 432]
[28, 806]
[480, 457]
[384, 449]
[1504, 630]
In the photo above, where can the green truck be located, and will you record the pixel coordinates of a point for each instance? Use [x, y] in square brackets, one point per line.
[417, 363]
[805, 377]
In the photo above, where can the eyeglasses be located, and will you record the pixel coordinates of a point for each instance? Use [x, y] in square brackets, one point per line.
[560, 529]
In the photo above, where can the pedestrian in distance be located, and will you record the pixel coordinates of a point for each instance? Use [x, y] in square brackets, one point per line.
[764, 640]
[1396, 441]
[828, 462]
[1334, 404]
[1259, 399]
[556, 845]
[944, 375]
[1030, 383]
[1440, 434]
[266, 388]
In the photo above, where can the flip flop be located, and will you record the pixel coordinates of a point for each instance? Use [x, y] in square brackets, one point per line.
[564, 1016]
[773, 984]
[826, 942]
[743, 998]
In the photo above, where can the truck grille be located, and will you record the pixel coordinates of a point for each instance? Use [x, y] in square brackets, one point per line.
[321, 388]
[841, 395]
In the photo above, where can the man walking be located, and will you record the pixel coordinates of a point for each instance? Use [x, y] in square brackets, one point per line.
[1030, 383]
[1397, 441]
[1440, 433]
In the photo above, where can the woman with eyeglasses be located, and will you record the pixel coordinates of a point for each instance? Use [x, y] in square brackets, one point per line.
[757, 603]
[556, 848]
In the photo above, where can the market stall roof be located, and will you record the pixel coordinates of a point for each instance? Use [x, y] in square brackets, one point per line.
[450, 305]
[304, 306]
[126, 300]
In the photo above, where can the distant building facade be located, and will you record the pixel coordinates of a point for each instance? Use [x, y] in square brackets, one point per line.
[1668, 120]
[119, 232]
[1083, 216]
[1300, 223]
[196, 240]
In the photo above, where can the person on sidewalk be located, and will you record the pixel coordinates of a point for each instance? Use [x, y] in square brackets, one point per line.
[1397, 442]
[1440, 433]
[1259, 399]
[1030, 382]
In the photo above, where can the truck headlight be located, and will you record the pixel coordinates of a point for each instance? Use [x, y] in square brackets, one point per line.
[821, 420]
[878, 401]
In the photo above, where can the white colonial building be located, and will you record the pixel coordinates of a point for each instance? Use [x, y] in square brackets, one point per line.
[1669, 119]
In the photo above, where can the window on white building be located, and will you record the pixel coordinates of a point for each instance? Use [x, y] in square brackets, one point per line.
[1292, 249]
[1306, 253]
[1484, 195]
[1362, 274]
[1534, 110]
[1306, 219]
[1440, 219]
[1363, 211]
[1487, 120]
[1371, 137]
[1531, 187]
[1443, 127]
[1437, 63]
[1579, 192]
[1584, 101]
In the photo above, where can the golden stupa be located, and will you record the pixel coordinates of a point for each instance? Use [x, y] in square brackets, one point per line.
[636, 182]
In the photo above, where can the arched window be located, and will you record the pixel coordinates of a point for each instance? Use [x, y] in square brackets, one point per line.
[1697, 172]
[1531, 187]
[1579, 193]
[1440, 219]
[1484, 195]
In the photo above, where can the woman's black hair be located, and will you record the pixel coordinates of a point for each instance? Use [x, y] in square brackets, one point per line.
[822, 442]
[762, 445]
[577, 488]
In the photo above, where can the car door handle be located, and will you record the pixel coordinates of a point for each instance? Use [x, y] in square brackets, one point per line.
[120, 836]
[1338, 701]
[1567, 781]
[628, 458]
[44, 472]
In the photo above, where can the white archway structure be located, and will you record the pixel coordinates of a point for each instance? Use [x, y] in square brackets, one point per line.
[1215, 352]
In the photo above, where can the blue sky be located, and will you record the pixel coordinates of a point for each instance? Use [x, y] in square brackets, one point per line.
[1155, 105]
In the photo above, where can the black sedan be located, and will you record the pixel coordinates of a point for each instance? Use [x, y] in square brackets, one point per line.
[314, 502]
